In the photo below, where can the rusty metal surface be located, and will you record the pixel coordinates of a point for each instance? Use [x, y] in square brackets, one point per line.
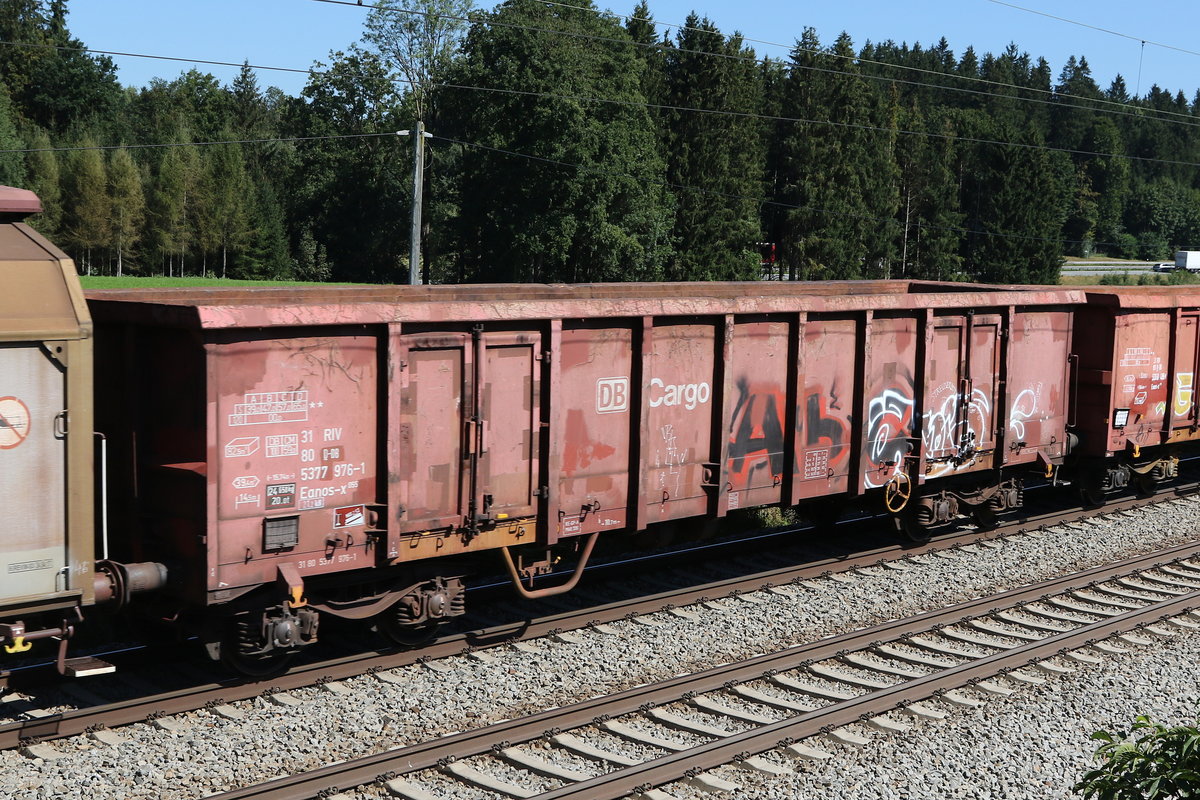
[575, 408]
[591, 418]
[1137, 374]
[678, 397]
[268, 307]
[1037, 387]
[658, 771]
[1156, 297]
[18, 202]
[294, 434]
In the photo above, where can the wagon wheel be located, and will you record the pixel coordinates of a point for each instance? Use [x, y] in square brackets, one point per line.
[911, 529]
[1145, 484]
[235, 656]
[403, 633]
[897, 492]
[984, 516]
[408, 636]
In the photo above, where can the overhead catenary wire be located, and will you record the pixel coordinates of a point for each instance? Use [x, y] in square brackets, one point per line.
[603, 100]
[663, 107]
[762, 201]
[475, 145]
[1086, 103]
[1089, 26]
[833, 123]
[213, 142]
[1054, 97]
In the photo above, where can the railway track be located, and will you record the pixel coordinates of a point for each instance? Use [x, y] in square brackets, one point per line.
[919, 667]
[39, 725]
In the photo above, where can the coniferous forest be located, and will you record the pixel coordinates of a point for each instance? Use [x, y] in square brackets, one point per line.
[573, 145]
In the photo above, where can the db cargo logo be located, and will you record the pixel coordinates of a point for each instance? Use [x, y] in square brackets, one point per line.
[612, 395]
[688, 395]
[349, 516]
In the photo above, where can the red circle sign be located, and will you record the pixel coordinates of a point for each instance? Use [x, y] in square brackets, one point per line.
[14, 422]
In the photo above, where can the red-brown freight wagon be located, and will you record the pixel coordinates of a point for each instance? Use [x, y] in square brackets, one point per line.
[347, 450]
[1138, 360]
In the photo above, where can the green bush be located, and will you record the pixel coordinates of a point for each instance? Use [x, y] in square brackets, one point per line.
[1125, 245]
[1146, 762]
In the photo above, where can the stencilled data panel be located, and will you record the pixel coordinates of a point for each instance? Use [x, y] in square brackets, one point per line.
[296, 435]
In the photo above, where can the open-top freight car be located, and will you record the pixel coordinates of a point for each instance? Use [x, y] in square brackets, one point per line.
[288, 453]
[1139, 355]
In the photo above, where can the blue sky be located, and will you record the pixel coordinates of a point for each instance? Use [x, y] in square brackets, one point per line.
[295, 33]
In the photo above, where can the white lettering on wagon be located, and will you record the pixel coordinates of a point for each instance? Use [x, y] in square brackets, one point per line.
[264, 408]
[688, 395]
[612, 395]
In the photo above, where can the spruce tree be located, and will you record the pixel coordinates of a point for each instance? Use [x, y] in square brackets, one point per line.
[43, 177]
[127, 204]
[715, 161]
[87, 213]
[571, 189]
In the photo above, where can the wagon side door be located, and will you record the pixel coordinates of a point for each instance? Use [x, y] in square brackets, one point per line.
[436, 430]
[958, 424]
[1183, 394]
[678, 393]
[509, 426]
[889, 399]
[1037, 388]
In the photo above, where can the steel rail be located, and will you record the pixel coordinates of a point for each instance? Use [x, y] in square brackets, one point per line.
[77, 721]
[404, 760]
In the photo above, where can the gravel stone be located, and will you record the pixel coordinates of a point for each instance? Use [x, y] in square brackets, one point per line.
[1032, 744]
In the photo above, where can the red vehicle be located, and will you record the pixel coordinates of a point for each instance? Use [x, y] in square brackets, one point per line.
[276, 457]
[1138, 350]
[349, 452]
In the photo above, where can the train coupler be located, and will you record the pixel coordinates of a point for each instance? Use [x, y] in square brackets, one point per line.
[14, 634]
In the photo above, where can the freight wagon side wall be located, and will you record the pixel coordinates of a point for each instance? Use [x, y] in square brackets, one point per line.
[337, 446]
[1138, 366]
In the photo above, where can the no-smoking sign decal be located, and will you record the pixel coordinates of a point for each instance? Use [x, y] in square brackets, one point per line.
[14, 422]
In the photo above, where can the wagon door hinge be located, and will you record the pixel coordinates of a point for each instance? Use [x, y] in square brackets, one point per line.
[542, 492]
[544, 356]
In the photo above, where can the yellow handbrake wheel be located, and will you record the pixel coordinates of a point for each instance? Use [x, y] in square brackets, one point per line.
[897, 491]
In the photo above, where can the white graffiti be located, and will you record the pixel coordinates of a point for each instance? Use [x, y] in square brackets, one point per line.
[673, 459]
[888, 418]
[944, 431]
[953, 433]
[1023, 408]
[1183, 393]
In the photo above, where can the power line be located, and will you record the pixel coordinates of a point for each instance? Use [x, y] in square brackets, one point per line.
[1144, 41]
[161, 145]
[1055, 98]
[1055, 101]
[667, 184]
[579, 98]
[832, 123]
[762, 201]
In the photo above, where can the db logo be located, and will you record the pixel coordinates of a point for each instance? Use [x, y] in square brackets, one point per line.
[612, 395]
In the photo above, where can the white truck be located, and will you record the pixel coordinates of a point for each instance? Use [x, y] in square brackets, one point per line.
[1187, 259]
